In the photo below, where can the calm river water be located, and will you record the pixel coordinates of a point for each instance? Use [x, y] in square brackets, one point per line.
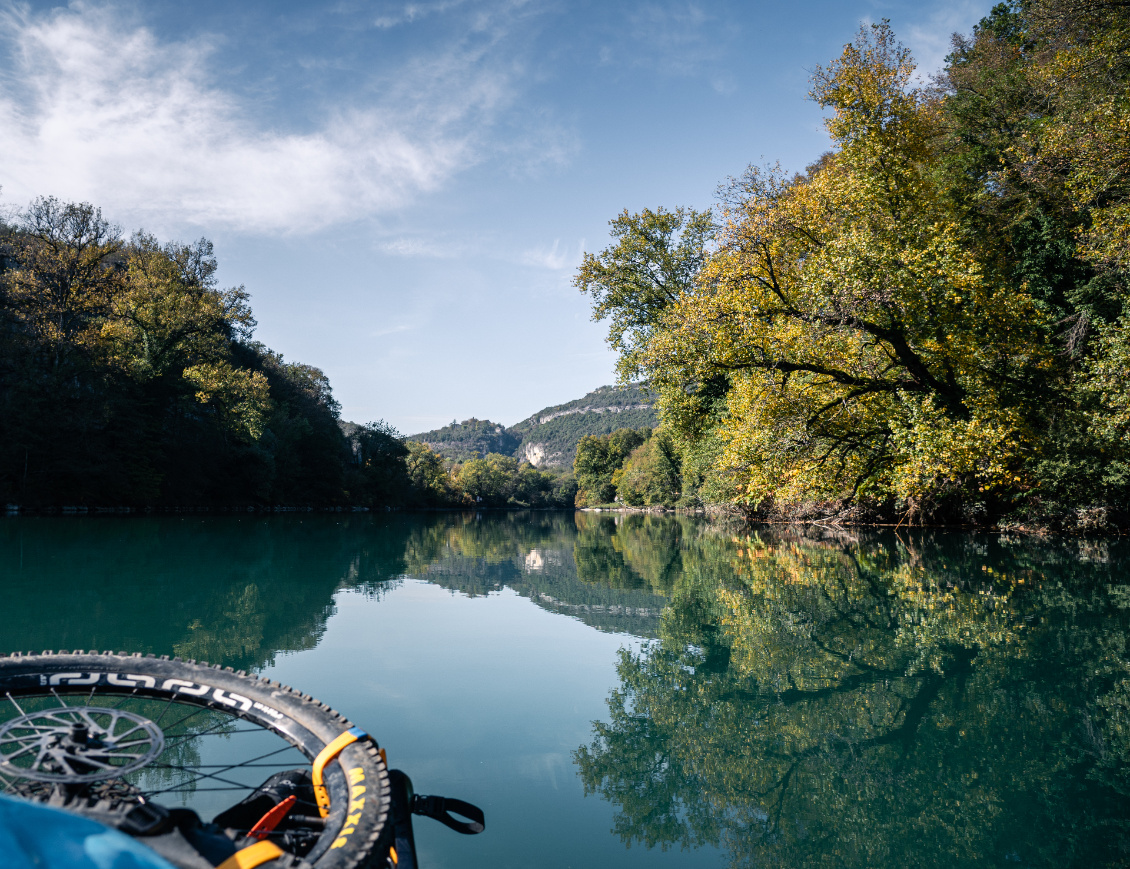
[652, 691]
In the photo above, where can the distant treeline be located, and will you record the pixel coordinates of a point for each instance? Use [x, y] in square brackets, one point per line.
[930, 324]
[128, 377]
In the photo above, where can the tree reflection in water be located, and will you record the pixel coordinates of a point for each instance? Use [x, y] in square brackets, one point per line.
[887, 701]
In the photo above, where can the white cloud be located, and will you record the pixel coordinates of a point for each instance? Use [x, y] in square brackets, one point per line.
[391, 330]
[929, 40]
[95, 107]
[678, 37]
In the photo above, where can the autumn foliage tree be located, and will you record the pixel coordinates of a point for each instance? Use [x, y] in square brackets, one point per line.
[129, 377]
[929, 319]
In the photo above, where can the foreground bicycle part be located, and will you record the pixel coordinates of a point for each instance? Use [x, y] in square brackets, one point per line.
[117, 738]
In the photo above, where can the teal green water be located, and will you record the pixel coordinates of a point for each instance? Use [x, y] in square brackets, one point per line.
[650, 691]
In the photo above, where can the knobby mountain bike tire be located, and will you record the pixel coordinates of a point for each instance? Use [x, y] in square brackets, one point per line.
[173, 730]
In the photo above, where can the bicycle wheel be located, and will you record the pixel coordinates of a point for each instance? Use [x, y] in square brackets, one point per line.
[105, 733]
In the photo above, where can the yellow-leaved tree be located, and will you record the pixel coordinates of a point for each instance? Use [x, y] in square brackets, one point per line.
[869, 354]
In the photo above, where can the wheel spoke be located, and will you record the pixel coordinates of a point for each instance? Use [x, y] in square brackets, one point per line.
[201, 790]
[202, 775]
[213, 729]
[129, 696]
[187, 717]
[164, 709]
[280, 763]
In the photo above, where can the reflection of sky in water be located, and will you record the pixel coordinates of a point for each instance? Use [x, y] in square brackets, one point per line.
[486, 699]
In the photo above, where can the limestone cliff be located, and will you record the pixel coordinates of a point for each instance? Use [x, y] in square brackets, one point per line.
[548, 438]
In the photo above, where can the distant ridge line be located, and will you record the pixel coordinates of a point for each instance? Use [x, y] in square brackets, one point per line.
[549, 437]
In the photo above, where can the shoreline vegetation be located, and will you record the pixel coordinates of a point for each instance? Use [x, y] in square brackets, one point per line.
[128, 377]
[928, 326]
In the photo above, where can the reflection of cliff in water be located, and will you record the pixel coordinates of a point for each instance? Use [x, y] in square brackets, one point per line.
[535, 555]
[236, 590]
[222, 589]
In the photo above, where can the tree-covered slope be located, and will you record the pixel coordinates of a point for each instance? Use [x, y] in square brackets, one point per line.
[931, 323]
[549, 437]
[470, 439]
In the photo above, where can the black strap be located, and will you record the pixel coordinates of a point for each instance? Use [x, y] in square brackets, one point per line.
[440, 808]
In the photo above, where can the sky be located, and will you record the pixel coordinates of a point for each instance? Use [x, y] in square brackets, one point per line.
[406, 188]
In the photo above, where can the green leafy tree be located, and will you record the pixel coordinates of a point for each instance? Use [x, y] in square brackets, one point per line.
[130, 377]
[64, 273]
[655, 260]
[490, 481]
[598, 458]
[380, 470]
[928, 322]
[431, 484]
[650, 475]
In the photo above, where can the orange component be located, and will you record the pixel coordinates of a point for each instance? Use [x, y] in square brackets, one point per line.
[252, 856]
[324, 757]
[271, 820]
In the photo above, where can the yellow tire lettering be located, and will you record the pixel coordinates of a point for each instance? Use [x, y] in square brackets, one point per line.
[356, 805]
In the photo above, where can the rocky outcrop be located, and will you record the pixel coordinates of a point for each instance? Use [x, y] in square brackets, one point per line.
[616, 408]
[548, 439]
[540, 455]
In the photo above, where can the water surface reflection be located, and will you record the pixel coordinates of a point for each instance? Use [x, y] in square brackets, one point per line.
[816, 698]
[877, 700]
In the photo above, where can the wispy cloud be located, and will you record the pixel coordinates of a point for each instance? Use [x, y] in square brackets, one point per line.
[391, 330]
[929, 40]
[408, 13]
[555, 257]
[419, 247]
[677, 37]
[94, 106]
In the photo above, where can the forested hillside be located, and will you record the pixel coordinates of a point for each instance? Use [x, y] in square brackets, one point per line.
[470, 439]
[548, 438]
[129, 378]
[930, 323]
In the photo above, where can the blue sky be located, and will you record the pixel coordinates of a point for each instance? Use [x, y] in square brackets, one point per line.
[406, 188]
